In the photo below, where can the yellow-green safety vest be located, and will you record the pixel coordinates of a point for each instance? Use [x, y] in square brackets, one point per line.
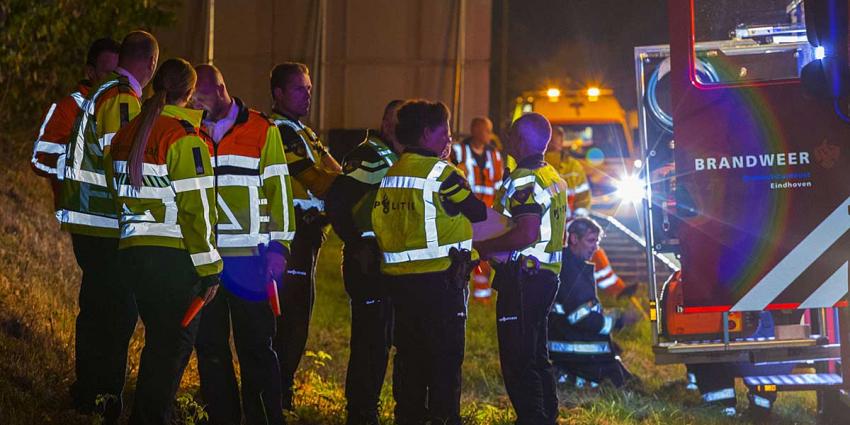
[413, 230]
[548, 190]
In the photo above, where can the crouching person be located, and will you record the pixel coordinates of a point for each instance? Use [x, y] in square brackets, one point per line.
[579, 330]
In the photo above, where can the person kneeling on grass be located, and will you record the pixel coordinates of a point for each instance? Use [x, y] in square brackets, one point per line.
[579, 330]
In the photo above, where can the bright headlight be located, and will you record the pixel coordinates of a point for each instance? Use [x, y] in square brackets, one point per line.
[630, 189]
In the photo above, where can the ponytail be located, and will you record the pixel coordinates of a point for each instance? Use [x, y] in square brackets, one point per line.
[150, 110]
[174, 80]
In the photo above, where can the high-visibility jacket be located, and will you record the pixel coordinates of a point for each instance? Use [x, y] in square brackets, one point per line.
[174, 207]
[85, 205]
[534, 187]
[412, 226]
[253, 187]
[510, 166]
[53, 134]
[578, 189]
[310, 164]
[350, 205]
[604, 275]
[579, 329]
[485, 178]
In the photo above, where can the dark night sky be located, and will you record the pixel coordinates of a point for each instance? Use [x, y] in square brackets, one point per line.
[592, 41]
[585, 40]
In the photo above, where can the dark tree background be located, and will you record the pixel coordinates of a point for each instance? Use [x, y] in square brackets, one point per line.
[43, 47]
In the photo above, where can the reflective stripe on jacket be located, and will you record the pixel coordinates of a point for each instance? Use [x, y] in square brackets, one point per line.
[175, 206]
[535, 186]
[577, 317]
[253, 187]
[85, 205]
[52, 140]
[606, 279]
[485, 181]
[412, 227]
[368, 164]
[310, 165]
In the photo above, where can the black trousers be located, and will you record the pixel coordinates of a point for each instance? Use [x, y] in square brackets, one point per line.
[164, 282]
[371, 332]
[429, 335]
[712, 378]
[597, 371]
[253, 329]
[522, 311]
[105, 325]
[296, 298]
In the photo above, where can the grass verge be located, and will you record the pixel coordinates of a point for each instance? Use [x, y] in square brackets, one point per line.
[38, 290]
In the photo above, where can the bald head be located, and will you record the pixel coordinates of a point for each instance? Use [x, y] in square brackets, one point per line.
[138, 55]
[208, 75]
[481, 129]
[211, 92]
[530, 134]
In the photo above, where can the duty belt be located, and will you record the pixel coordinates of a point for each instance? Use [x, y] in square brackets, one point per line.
[527, 263]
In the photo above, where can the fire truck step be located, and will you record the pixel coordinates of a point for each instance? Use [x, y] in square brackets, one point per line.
[797, 382]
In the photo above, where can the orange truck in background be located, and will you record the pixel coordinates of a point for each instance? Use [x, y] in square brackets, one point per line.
[600, 133]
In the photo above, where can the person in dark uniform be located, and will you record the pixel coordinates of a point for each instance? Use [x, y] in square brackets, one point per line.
[349, 206]
[535, 199]
[313, 170]
[579, 330]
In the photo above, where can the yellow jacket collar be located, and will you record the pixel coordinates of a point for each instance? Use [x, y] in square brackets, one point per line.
[193, 116]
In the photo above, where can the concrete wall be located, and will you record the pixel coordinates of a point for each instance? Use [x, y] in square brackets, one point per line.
[374, 51]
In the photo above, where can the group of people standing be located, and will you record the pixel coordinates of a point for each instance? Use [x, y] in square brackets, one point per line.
[186, 196]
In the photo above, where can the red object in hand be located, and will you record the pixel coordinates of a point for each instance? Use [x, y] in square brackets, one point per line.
[192, 311]
[274, 300]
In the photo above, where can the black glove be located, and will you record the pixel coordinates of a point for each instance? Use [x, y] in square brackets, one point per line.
[209, 281]
[366, 255]
[624, 318]
[628, 291]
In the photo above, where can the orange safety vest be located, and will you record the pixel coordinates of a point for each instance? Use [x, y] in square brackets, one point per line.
[253, 185]
[53, 135]
[606, 279]
[483, 181]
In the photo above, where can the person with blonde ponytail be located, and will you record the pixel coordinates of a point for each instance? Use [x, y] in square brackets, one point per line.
[160, 173]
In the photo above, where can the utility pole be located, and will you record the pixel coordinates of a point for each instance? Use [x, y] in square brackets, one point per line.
[209, 40]
[460, 58]
[499, 36]
[317, 111]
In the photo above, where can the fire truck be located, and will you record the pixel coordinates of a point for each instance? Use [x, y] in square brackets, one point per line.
[599, 132]
[745, 143]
